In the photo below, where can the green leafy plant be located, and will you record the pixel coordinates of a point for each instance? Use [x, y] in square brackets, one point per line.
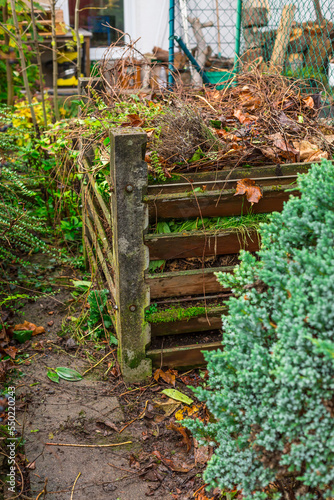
[271, 389]
[18, 226]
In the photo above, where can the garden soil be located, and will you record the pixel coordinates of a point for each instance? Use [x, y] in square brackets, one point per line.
[98, 410]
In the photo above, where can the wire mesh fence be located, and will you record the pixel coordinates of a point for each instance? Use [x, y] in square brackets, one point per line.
[297, 36]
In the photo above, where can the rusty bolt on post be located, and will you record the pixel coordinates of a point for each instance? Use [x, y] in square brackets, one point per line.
[129, 188]
[132, 308]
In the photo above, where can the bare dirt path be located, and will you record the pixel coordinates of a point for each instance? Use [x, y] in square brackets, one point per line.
[92, 412]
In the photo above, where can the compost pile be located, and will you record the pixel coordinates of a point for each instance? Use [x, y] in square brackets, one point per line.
[264, 119]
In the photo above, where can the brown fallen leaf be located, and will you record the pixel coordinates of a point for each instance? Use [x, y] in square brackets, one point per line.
[168, 376]
[248, 98]
[318, 155]
[227, 135]
[109, 424]
[203, 453]
[4, 367]
[283, 104]
[36, 330]
[250, 189]
[309, 102]
[270, 154]
[178, 428]
[202, 496]
[244, 118]
[285, 121]
[168, 408]
[287, 150]
[5, 335]
[305, 148]
[11, 351]
[51, 312]
[175, 464]
[134, 121]
[50, 323]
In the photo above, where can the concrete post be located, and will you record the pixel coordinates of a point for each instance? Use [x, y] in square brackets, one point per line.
[131, 256]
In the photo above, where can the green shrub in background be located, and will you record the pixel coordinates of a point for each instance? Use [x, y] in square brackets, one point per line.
[20, 230]
[271, 390]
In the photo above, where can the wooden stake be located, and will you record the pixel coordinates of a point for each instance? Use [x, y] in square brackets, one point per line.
[76, 29]
[23, 64]
[54, 59]
[9, 71]
[39, 60]
[283, 36]
[317, 8]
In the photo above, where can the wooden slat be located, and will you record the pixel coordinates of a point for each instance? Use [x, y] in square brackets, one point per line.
[106, 211]
[264, 176]
[213, 204]
[101, 258]
[92, 259]
[210, 321]
[100, 230]
[194, 282]
[187, 357]
[200, 244]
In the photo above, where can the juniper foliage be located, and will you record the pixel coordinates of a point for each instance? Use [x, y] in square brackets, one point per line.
[271, 390]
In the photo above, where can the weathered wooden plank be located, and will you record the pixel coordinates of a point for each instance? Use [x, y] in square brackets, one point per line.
[264, 176]
[102, 203]
[130, 221]
[210, 321]
[92, 184]
[92, 260]
[99, 228]
[185, 358]
[101, 257]
[200, 244]
[213, 204]
[193, 282]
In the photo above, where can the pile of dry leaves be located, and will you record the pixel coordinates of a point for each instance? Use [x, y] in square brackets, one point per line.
[264, 119]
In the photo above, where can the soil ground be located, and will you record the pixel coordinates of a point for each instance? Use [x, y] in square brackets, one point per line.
[99, 410]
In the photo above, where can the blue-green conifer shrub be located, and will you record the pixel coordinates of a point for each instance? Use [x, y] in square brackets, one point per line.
[271, 389]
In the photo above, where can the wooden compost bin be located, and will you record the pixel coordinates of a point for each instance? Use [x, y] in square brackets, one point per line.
[119, 247]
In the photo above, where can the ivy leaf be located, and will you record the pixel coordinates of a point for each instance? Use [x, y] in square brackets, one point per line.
[68, 374]
[178, 396]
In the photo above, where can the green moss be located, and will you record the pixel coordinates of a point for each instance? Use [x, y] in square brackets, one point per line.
[175, 314]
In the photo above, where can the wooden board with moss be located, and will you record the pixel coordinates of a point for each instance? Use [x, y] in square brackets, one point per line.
[178, 320]
[200, 244]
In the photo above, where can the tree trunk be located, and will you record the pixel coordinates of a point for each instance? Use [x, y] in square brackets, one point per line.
[39, 61]
[54, 59]
[9, 72]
